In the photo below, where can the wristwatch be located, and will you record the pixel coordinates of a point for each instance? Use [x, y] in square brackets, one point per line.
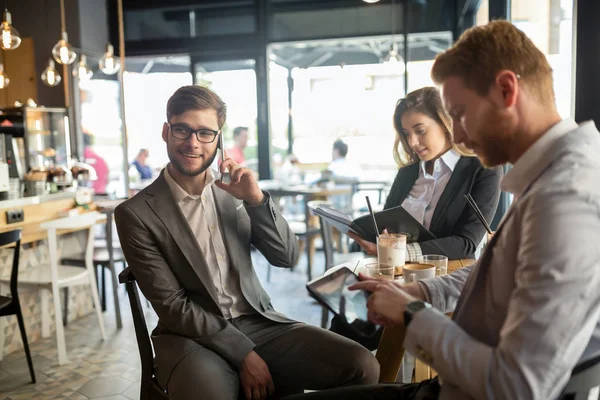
[412, 308]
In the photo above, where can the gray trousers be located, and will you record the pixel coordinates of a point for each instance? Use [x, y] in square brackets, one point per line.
[299, 357]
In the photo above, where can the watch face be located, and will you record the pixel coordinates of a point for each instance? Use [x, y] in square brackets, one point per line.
[416, 306]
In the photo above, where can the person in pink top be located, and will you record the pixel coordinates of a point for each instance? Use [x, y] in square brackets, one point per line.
[97, 162]
[236, 153]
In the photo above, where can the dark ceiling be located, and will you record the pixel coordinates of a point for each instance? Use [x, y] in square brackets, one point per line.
[301, 33]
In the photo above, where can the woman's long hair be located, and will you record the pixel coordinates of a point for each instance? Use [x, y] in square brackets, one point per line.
[427, 101]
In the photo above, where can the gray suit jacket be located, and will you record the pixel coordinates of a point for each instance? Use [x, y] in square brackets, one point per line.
[527, 313]
[171, 270]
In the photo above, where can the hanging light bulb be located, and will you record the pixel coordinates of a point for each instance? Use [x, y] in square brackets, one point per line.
[371, 1]
[109, 64]
[82, 71]
[4, 81]
[10, 39]
[62, 51]
[392, 57]
[50, 75]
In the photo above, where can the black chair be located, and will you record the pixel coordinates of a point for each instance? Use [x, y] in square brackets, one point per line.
[584, 378]
[149, 388]
[11, 305]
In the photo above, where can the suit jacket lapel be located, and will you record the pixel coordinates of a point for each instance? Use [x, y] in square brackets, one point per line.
[227, 212]
[450, 191]
[162, 203]
[409, 177]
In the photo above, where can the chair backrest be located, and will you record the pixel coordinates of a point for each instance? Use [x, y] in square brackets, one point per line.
[80, 222]
[584, 381]
[141, 333]
[8, 238]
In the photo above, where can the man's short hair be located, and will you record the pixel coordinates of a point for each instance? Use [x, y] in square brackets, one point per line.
[483, 51]
[341, 147]
[238, 130]
[194, 97]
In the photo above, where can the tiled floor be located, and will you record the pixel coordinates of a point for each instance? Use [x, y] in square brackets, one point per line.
[110, 370]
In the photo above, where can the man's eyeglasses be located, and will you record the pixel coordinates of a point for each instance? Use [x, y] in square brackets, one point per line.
[183, 132]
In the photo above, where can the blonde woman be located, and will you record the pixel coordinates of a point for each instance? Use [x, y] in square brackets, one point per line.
[435, 174]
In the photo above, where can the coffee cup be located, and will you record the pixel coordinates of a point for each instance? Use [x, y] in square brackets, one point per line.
[416, 272]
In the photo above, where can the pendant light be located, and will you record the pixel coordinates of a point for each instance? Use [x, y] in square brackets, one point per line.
[109, 64]
[393, 57]
[82, 71]
[62, 51]
[10, 38]
[4, 81]
[50, 76]
[371, 1]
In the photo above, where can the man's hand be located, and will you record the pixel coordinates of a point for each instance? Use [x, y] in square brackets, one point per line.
[243, 184]
[255, 377]
[388, 299]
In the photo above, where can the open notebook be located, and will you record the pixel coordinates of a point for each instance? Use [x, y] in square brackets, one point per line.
[395, 220]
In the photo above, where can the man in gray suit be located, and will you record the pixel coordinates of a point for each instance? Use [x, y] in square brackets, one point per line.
[187, 239]
[527, 312]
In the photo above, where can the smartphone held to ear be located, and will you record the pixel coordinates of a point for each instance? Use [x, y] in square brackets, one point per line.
[224, 176]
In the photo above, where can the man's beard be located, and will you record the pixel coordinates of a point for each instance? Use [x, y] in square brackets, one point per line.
[492, 146]
[191, 172]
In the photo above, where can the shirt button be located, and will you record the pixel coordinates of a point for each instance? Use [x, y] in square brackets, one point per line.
[220, 257]
[203, 198]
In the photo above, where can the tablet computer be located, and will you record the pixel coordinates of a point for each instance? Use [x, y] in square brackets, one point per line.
[332, 292]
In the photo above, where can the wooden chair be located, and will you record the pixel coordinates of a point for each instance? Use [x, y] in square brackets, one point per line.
[391, 349]
[149, 387]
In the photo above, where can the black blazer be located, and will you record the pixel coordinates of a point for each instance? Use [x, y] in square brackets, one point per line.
[454, 223]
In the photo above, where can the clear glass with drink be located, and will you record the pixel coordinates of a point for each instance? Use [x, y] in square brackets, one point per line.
[440, 262]
[380, 271]
[391, 250]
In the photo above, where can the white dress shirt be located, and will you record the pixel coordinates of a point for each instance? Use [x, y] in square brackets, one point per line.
[529, 310]
[426, 192]
[201, 214]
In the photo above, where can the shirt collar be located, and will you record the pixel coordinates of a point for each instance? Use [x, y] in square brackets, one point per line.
[449, 159]
[179, 194]
[524, 171]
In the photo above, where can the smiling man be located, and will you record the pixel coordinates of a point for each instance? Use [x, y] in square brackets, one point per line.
[187, 239]
[528, 311]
